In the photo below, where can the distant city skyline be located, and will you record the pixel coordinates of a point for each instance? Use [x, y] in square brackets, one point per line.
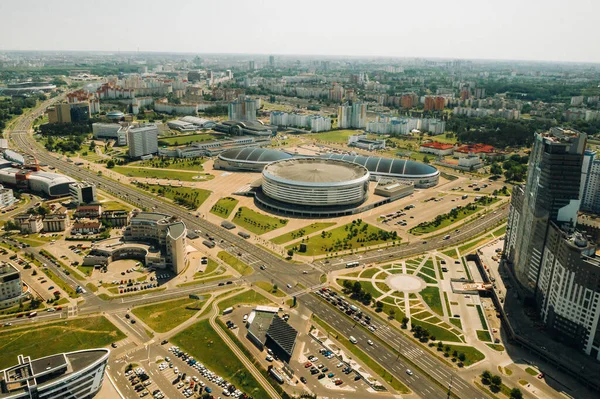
[535, 30]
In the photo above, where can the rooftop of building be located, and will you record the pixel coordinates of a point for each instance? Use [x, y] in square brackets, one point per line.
[47, 370]
[482, 148]
[437, 145]
[259, 323]
[283, 334]
[315, 170]
[259, 155]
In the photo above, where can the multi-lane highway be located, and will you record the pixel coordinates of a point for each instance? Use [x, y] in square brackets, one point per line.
[397, 366]
[278, 270]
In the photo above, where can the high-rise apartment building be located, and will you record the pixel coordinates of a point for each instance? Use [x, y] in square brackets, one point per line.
[554, 261]
[590, 183]
[352, 116]
[11, 287]
[143, 140]
[550, 195]
[242, 109]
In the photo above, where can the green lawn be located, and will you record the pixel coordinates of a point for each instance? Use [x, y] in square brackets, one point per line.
[428, 227]
[456, 322]
[186, 196]
[363, 357]
[438, 332]
[451, 253]
[193, 164]
[224, 207]
[428, 271]
[162, 174]
[482, 317]
[484, 335]
[257, 222]
[270, 288]
[496, 347]
[334, 136]
[165, 316]
[210, 268]
[463, 249]
[447, 301]
[368, 273]
[292, 235]
[249, 297]
[472, 355]
[499, 232]
[349, 236]
[185, 139]
[205, 345]
[531, 371]
[234, 262]
[56, 337]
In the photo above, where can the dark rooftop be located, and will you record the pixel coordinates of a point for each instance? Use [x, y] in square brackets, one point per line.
[47, 363]
[283, 335]
[260, 324]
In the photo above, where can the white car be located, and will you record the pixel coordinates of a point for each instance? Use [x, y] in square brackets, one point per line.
[370, 342]
[409, 372]
[269, 358]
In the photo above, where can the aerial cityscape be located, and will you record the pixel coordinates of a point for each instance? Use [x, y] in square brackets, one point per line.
[279, 214]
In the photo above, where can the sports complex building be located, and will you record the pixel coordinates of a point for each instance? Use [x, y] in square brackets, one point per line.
[255, 159]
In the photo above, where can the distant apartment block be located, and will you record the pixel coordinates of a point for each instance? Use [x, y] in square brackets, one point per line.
[11, 286]
[6, 197]
[242, 109]
[352, 116]
[315, 123]
[29, 224]
[384, 124]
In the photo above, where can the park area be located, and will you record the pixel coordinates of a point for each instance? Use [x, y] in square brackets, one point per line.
[347, 237]
[224, 207]
[188, 197]
[166, 174]
[302, 232]
[192, 164]
[256, 222]
[56, 337]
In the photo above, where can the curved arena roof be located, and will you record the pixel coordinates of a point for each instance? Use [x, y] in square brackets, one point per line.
[388, 166]
[315, 172]
[254, 155]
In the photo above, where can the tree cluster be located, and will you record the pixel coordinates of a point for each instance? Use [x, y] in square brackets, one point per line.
[356, 292]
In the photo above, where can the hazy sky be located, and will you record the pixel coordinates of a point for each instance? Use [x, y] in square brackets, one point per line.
[503, 29]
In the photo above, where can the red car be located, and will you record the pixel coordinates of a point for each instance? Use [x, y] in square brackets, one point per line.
[540, 376]
[307, 365]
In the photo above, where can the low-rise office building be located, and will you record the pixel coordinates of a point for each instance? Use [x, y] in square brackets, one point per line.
[435, 148]
[55, 222]
[116, 218]
[83, 193]
[88, 211]
[62, 376]
[29, 224]
[361, 141]
[86, 227]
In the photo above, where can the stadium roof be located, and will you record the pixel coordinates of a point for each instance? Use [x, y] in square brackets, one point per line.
[315, 170]
[379, 165]
[258, 155]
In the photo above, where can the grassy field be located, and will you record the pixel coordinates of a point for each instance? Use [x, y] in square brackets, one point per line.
[429, 227]
[482, 317]
[463, 249]
[186, 196]
[496, 347]
[431, 296]
[334, 136]
[188, 139]
[349, 236]
[224, 207]
[202, 342]
[193, 164]
[363, 357]
[165, 316]
[472, 355]
[456, 322]
[438, 332]
[76, 334]
[162, 174]
[234, 262]
[484, 335]
[270, 288]
[250, 297]
[292, 235]
[257, 222]
[532, 371]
